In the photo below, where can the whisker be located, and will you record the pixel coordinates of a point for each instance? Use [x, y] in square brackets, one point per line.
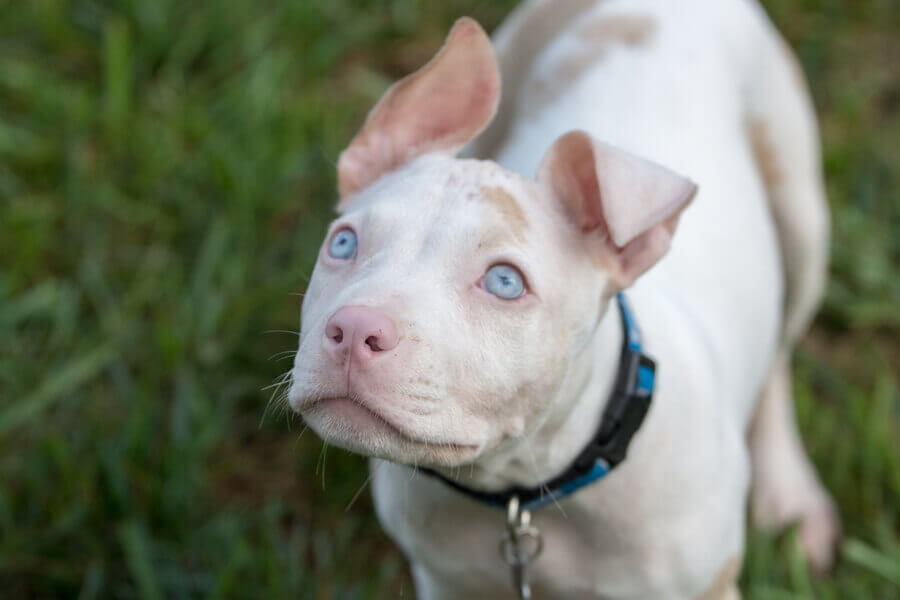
[526, 440]
[281, 380]
[278, 355]
[291, 331]
[358, 492]
[278, 394]
[323, 456]
[300, 435]
[284, 407]
[364, 484]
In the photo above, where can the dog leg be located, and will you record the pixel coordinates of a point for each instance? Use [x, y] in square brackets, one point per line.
[781, 129]
[733, 593]
[725, 585]
[730, 593]
[783, 137]
[785, 486]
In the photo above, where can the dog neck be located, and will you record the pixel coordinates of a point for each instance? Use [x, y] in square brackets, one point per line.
[569, 425]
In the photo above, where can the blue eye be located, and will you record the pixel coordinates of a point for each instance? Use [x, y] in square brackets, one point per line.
[343, 244]
[504, 281]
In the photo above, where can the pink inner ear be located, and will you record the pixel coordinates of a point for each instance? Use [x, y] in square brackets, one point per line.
[439, 108]
[632, 204]
[571, 169]
[575, 179]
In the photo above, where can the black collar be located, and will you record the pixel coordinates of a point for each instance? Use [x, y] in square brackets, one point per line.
[625, 411]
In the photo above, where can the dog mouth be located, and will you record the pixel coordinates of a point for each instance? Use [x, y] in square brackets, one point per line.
[358, 417]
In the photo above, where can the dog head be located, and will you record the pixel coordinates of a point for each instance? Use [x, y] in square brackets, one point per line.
[451, 295]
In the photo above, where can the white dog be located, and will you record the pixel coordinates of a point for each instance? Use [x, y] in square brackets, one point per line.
[464, 316]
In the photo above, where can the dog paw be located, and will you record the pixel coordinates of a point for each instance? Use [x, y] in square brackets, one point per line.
[818, 522]
[820, 530]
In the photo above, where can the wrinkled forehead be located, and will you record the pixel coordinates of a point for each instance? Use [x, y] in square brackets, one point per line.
[453, 198]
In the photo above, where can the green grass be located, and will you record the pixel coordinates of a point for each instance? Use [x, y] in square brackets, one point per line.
[166, 173]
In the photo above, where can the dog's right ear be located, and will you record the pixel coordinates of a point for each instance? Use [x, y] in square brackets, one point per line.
[439, 108]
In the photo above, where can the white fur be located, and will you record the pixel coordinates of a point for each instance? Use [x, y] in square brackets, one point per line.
[496, 394]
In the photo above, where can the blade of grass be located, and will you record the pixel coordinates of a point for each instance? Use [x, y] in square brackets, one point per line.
[117, 75]
[137, 556]
[869, 558]
[67, 379]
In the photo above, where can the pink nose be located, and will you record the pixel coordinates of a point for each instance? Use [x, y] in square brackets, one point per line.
[361, 331]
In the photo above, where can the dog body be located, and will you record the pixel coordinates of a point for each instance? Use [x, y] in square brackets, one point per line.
[494, 396]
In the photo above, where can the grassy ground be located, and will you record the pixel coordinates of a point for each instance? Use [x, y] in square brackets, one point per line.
[166, 171]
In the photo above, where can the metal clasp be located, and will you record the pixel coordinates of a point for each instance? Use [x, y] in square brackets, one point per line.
[520, 546]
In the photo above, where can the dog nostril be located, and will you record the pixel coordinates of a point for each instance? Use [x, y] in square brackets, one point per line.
[372, 343]
[338, 336]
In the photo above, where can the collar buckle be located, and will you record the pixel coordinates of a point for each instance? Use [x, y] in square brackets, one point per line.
[625, 411]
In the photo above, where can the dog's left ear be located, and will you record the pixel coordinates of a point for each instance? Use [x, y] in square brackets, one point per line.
[439, 108]
[629, 206]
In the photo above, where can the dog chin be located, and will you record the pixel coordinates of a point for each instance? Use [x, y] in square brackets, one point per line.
[348, 424]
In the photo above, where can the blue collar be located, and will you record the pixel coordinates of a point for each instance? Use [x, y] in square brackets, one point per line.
[625, 411]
